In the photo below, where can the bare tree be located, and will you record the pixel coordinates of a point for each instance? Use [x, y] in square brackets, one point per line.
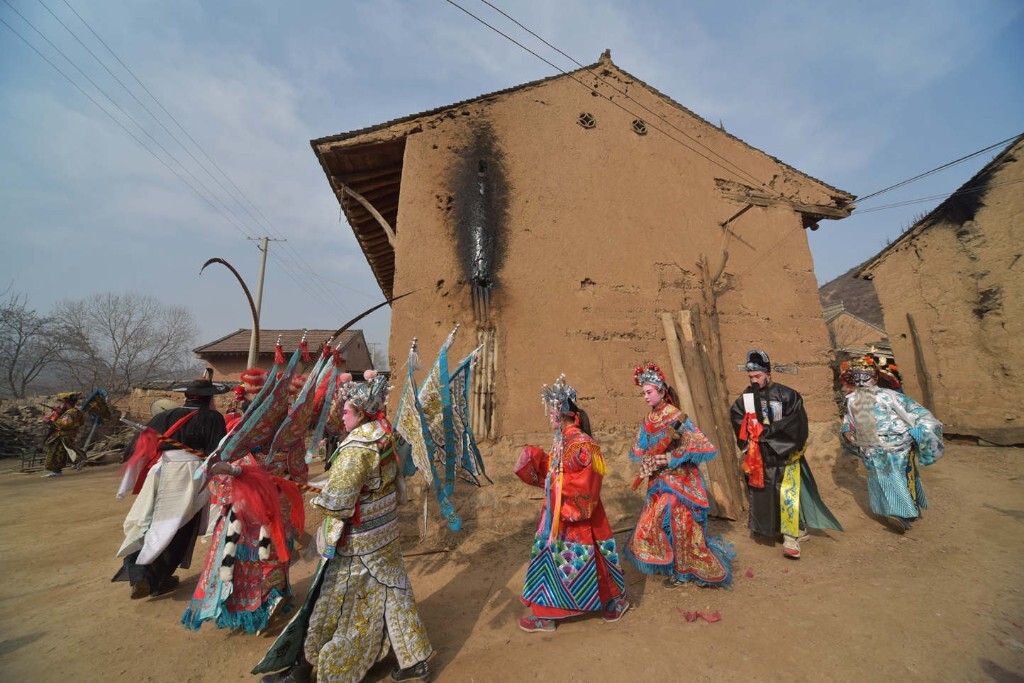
[117, 341]
[29, 344]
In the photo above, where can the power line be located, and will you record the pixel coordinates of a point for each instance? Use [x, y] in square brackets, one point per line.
[574, 78]
[937, 169]
[625, 94]
[964, 191]
[111, 116]
[310, 287]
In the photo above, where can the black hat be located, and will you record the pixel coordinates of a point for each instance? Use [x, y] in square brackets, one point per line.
[758, 361]
[202, 387]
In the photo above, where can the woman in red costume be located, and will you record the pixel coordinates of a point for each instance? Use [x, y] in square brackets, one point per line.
[670, 537]
[574, 564]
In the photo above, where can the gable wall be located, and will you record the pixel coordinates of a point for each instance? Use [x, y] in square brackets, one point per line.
[603, 230]
[964, 285]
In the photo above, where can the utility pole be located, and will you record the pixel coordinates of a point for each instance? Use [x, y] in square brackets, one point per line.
[254, 337]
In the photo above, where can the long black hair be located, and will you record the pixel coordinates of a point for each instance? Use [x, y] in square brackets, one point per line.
[583, 417]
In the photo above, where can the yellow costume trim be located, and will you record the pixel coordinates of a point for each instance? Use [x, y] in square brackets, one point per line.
[789, 496]
[912, 477]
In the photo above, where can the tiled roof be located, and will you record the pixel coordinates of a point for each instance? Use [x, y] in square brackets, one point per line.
[238, 342]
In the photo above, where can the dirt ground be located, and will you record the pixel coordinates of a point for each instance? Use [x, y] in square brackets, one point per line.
[943, 603]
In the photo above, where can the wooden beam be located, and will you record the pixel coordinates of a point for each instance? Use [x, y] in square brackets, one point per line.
[763, 200]
[391, 183]
[376, 214]
[727, 483]
[370, 174]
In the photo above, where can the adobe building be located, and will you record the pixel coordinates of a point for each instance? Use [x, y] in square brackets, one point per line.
[852, 334]
[958, 275]
[229, 354]
[556, 227]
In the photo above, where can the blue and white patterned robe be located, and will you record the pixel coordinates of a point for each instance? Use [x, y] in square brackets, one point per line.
[892, 434]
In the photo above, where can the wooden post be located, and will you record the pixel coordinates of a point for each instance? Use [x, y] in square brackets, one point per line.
[675, 356]
[728, 473]
[720, 489]
[923, 377]
[682, 386]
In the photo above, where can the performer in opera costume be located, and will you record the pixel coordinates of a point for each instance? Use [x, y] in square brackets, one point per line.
[771, 426]
[161, 528]
[62, 425]
[360, 604]
[892, 434]
[260, 515]
[574, 565]
[670, 537]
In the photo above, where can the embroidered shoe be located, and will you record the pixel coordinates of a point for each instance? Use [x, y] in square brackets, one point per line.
[791, 548]
[616, 609]
[416, 672]
[534, 624]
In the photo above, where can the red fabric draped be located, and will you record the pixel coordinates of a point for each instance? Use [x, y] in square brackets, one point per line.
[256, 494]
[147, 452]
[753, 464]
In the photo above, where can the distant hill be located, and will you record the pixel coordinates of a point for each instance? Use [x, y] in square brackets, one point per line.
[857, 296]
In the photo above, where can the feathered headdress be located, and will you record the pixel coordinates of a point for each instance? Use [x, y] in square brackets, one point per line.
[559, 397]
[650, 374]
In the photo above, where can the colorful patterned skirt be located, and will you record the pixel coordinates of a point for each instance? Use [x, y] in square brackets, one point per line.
[671, 538]
[566, 577]
[240, 593]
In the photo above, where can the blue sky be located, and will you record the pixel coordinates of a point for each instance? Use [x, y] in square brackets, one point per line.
[860, 95]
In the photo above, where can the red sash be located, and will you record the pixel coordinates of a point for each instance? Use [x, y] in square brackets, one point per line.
[753, 464]
[147, 451]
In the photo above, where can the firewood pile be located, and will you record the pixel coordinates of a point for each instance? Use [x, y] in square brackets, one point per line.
[22, 432]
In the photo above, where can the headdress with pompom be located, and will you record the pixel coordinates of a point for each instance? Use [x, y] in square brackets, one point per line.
[650, 374]
[368, 396]
[859, 372]
[558, 397]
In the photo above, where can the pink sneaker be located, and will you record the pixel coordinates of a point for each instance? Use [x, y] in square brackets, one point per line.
[616, 609]
[534, 624]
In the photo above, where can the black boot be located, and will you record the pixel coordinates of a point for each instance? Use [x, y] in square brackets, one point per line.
[416, 672]
[300, 673]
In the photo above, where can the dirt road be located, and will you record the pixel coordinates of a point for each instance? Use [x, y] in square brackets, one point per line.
[942, 603]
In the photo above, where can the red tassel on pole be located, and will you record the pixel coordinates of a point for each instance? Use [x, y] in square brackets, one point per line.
[304, 347]
[278, 354]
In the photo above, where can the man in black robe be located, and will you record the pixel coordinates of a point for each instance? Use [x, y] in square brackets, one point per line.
[788, 502]
[202, 432]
